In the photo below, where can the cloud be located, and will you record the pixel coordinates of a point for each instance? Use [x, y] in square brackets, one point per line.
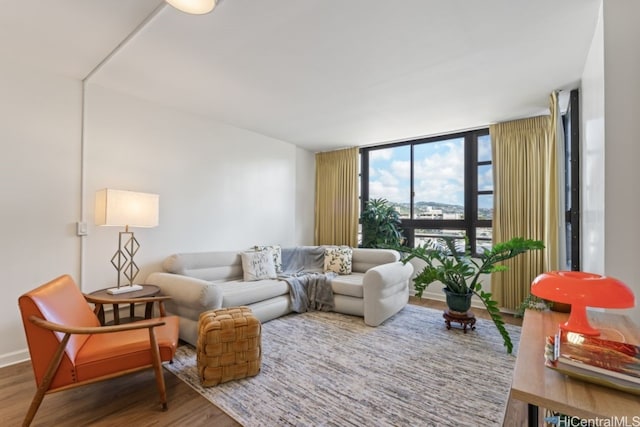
[377, 190]
[384, 154]
[485, 178]
[388, 185]
[401, 169]
[484, 147]
[388, 176]
[438, 172]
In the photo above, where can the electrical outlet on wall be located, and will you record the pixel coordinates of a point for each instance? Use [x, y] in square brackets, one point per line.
[81, 228]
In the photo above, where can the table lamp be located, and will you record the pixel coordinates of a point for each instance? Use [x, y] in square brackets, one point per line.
[126, 209]
[582, 290]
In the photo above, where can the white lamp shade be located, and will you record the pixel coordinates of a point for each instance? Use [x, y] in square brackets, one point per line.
[194, 7]
[126, 208]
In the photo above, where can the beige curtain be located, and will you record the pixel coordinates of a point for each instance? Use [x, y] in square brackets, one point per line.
[337, 210]
[558, 141]
[525, 202]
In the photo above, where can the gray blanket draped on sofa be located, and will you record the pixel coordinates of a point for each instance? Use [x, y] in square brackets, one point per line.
[310, 291]
[309, 286]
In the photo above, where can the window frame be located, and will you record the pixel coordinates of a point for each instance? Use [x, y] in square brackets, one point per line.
[571, 124]
[471, 222]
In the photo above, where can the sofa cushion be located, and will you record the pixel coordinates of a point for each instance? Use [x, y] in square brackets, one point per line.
[258, 265]
[338, 259]
[350, 285]
[237, 292]
[277, 255]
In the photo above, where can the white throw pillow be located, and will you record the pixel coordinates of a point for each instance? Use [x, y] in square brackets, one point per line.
[338, 259]
[277, 255]
[258, 265]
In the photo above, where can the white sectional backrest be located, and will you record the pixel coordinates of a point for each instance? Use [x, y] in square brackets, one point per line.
[210, 266]
[365, 258]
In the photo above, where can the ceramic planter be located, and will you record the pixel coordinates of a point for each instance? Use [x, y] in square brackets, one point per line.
[458, 302]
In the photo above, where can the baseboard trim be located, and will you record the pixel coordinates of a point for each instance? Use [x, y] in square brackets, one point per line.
[439, 296]
[475, 301]
[14, 357]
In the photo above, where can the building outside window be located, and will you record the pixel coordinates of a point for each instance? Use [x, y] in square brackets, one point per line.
[440, 186]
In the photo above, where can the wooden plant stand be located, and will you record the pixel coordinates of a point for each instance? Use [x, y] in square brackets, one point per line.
[464, 319]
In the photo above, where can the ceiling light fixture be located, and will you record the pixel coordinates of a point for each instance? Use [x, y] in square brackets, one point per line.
[193, 7]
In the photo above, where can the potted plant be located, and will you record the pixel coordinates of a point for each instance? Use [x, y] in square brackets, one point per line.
[534, 303]
[381, 224]
[460, 273]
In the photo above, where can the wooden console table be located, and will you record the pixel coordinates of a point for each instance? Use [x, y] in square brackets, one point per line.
[539, 386]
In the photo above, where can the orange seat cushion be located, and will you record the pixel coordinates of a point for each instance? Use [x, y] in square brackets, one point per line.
[104, 354]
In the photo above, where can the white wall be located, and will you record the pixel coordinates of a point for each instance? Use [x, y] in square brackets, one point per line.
[611, 103]
[40, 189]
[220, 187]
[592, 154]
[622, 143]
[305, 196]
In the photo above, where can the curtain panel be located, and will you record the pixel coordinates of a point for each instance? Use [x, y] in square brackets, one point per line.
[557, 133]
[336, 207]
[525, 202]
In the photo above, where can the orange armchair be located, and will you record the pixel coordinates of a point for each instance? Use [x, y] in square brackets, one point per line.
[69, 348]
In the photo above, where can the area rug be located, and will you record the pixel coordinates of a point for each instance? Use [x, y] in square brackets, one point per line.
[329, 369]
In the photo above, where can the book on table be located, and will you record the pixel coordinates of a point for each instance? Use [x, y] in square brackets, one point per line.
[610, 363]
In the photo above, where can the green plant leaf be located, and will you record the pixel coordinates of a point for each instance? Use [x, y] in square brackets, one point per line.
[381, 224]
[460, 273]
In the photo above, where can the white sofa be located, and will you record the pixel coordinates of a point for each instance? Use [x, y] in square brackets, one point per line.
[377, 288]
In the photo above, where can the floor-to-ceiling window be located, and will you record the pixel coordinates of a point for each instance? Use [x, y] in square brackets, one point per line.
[440, 186]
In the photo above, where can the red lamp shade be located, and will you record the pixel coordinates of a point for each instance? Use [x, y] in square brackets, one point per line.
[582, 290]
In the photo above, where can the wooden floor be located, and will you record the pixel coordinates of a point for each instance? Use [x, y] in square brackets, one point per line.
[133, 400]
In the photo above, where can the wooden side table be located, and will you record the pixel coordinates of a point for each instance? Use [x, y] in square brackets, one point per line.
[147, 295]
[540, 386]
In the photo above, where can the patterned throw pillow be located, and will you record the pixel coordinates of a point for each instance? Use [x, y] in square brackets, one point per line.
[277, 255]
[258, 265]
[338, 259]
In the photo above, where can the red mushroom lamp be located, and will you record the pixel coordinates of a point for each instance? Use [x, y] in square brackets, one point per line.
[582, 290]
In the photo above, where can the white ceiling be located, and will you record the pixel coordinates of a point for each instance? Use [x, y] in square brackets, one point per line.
[322, 74]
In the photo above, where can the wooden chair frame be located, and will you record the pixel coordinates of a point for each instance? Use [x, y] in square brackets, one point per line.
[54, 364]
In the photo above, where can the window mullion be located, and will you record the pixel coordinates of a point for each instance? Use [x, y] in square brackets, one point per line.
[471, 190]
[421, 220]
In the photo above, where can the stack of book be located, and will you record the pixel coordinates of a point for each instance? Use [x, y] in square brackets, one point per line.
[609, 363]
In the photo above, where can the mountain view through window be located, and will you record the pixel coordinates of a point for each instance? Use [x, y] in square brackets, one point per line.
[440, 187]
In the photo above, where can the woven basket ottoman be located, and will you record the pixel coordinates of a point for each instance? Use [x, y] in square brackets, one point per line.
[228, 346]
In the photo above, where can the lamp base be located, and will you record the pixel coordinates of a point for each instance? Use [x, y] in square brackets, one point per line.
[578, 321]
[124, 289]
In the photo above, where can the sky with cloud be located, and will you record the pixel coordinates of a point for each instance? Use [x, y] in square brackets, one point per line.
[438, 174]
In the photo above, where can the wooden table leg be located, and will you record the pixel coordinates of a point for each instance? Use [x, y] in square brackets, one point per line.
[116, 315]
[532, 415]
[99, 311]
[148, 310]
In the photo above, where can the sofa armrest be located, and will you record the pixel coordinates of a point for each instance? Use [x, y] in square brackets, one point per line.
[367, 258]
[385, 291]
[187, 291]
